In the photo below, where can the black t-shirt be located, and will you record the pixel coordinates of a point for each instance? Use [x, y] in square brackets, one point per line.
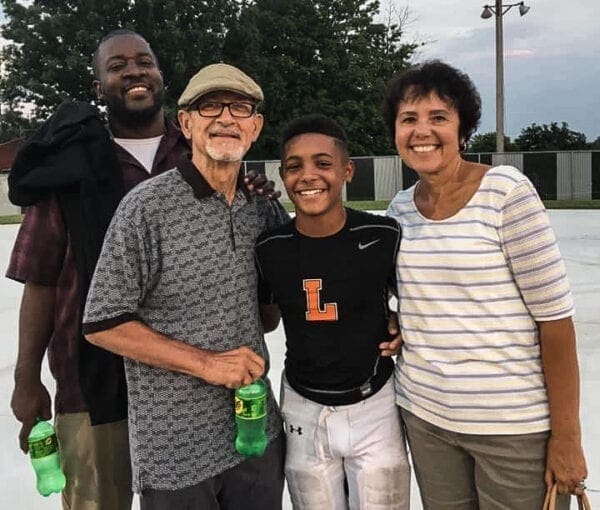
[332, 292]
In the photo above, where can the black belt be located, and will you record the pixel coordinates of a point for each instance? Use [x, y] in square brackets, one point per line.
[363, 391]
[343, 397]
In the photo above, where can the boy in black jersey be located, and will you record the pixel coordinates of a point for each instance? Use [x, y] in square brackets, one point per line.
[329, 271]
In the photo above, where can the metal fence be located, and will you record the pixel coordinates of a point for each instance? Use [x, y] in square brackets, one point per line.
[569, 175]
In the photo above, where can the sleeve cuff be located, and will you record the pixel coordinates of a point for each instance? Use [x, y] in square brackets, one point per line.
[94, 327]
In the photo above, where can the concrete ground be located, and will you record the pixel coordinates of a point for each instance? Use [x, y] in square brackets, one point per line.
[578, 234]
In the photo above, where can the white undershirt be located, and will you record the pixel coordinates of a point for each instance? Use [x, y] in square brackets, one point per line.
[142, 149]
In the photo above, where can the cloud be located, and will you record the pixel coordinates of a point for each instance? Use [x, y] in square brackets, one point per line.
[551, 62]
[519, 53]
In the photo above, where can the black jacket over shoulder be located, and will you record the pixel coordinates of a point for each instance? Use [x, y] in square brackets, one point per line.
[73, 157]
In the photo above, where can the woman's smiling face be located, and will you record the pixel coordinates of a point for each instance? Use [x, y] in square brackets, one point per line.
[427, 134]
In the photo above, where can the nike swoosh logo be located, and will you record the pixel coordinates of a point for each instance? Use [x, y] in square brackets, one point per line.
[362, 246]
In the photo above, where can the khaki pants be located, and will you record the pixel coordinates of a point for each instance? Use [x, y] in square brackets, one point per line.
[96, 463]
[478, 472]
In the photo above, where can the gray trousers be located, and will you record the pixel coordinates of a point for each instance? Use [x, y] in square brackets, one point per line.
[255, 484]
[478, 472]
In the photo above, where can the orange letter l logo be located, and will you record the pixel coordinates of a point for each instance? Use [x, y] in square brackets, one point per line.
[313, 302]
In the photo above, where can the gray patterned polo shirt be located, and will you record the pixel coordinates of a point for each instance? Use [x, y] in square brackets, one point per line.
[180, 259]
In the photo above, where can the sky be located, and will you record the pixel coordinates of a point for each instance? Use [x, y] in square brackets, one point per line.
[551, 58]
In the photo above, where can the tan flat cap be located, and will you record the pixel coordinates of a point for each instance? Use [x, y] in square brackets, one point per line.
[219, 77]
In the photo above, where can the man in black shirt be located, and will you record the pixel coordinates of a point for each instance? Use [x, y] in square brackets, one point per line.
[329, 272]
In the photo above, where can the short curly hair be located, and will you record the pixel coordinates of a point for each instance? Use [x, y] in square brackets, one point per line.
[450, 84]
[314, 123]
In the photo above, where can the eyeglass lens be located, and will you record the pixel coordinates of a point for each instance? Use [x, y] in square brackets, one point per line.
[236, 109]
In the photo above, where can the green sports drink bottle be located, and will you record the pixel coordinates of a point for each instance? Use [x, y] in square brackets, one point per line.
[251, 419]
[43, 449]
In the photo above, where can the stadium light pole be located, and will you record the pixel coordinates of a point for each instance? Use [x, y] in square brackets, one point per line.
[499, 10]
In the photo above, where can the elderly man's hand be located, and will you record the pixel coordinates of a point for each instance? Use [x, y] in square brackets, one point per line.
[258, 183]
[232, 369]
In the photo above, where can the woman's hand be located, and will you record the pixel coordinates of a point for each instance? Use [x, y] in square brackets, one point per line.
[565, 464]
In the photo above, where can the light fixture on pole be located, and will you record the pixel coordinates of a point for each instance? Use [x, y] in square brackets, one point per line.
[498, 10]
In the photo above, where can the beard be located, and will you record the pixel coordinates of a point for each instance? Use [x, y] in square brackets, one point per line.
[118, 109]
[225, 155]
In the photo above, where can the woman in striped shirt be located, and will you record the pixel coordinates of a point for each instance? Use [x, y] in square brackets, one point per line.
[488, 380]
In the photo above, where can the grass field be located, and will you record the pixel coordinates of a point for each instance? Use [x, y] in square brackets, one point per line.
[572, 204]
[380, 205]
[10, 219]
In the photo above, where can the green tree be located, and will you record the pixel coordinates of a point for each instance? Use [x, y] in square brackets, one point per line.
[550, 137]
[595, 144]
[48, 60]
[327, 56]
[323, 55]
[486, 142]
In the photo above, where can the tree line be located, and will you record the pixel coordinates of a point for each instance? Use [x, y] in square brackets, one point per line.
[329, 56]
[544, 137]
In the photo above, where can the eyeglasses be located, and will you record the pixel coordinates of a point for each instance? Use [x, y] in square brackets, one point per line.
[215, 109]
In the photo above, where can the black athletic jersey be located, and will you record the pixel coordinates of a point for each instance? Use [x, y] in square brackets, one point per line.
[332, 293]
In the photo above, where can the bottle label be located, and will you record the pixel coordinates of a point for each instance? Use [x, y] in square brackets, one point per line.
[43, 447]
[251, 408]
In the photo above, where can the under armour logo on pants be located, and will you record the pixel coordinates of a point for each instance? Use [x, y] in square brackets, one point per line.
[295, 429]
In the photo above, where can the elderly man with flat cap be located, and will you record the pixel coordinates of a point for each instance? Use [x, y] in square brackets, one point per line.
[174, 293]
